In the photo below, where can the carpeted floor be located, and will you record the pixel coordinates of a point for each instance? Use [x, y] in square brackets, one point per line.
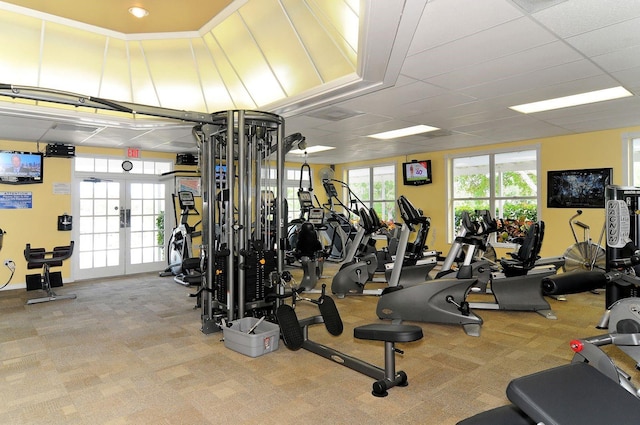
[130, 351]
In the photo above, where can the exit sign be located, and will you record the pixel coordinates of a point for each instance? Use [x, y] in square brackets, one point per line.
[133, 153]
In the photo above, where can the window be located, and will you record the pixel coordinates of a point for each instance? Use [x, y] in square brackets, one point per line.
[376, 188]
[505, 183]
[291, 186]
[114, 165]
[633, 178]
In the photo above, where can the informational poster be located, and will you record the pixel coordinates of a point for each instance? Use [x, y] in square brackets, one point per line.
[190, 184]
[16, 200]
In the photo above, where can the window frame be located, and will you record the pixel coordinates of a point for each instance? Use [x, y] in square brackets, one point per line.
[371, 201]
[269, 182]
[628, 162]
[492, 198]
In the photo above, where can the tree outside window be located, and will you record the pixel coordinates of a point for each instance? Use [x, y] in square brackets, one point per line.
[505, 183]
[376, 187]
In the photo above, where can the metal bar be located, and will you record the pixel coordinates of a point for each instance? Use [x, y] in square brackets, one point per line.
[228, 224]
[243, 214]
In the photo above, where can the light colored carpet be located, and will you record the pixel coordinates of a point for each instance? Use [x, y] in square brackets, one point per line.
[130, 351]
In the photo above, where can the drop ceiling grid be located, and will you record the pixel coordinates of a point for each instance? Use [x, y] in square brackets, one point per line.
[446, 21]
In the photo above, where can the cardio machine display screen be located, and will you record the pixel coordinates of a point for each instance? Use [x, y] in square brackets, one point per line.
[186, 198]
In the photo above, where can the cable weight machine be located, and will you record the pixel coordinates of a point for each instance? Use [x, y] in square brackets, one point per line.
[241, 245]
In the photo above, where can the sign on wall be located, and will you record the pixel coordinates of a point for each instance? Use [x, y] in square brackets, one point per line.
[16, 200]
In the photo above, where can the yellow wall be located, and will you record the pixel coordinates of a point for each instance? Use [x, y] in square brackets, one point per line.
[589, 150]
[38, 225]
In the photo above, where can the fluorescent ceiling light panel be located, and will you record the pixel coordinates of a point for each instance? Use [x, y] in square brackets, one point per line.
[402, 132]
[574, 100]
[311, 149]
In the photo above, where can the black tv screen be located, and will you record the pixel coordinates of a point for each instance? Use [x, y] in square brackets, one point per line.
[20, 167]
[578, 188]
[416, 173]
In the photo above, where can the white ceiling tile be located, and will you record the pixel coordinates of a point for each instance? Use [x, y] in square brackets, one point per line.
[448, 20]
[354, 123]
[630, 79]
[382, 101]
[530, 82]
[524, 62]
[506, 39]
[608, 39]
[581, 16]
[619, 60]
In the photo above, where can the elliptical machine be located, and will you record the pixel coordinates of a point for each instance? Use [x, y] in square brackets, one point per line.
[339, 231]
[302, 235]
[182, 264]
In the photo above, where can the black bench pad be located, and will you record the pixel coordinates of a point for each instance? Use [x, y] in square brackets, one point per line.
[388, 333]
[574, 394]
[505, 415]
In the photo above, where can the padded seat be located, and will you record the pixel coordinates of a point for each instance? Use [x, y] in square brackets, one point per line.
[574, 394]
[388, 333]
[308, 243]
[525, 258]
[504, 415]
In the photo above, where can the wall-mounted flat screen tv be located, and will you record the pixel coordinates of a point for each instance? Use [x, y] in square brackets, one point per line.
[578, 188]
[20, 167]
[416, 173]
[220, 174]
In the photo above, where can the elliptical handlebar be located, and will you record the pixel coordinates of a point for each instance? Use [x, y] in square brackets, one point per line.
[332, 193]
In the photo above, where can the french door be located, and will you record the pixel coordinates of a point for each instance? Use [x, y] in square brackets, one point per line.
[119, 226]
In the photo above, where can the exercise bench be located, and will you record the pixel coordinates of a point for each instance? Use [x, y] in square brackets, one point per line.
[576, 393]
[295, 336]
[41, 258]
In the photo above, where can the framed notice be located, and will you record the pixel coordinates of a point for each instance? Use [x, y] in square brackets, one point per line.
[189, 184]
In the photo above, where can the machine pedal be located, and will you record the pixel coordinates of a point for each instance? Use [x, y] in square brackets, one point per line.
[330, 315]
[290, 327]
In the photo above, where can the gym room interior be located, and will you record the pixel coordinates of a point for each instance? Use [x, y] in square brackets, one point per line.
[129, 348]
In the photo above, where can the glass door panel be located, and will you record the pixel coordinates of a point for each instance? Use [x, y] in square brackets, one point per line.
[99, 229]
[147, 204]
[119, 227]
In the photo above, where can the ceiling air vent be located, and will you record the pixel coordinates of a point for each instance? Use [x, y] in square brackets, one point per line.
[334, 114]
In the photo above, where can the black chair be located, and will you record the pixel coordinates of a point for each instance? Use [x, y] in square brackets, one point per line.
[41, 258]
[308, 242]
[525, 258]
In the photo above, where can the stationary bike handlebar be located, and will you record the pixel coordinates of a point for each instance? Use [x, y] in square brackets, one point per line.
[573, 217]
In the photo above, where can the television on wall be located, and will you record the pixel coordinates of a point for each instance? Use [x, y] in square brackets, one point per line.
[416, 173]
[578, 188]
[220, 175]
[20, 167]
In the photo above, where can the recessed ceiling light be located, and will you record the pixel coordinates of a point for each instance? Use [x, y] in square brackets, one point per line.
[311, 149]
[138, 12]
[574, 100]
[402, 132]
